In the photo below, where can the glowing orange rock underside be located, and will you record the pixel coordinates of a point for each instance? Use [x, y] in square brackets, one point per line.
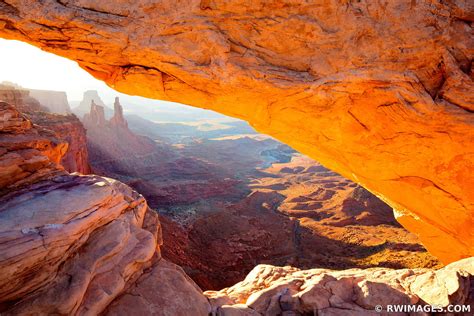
[381, 93]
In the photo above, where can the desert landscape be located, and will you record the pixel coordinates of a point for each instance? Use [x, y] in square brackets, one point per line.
[227, 202]
[333, 176]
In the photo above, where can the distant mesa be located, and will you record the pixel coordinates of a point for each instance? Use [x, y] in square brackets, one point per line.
[85, 105]
[20, 98]
[55, 101]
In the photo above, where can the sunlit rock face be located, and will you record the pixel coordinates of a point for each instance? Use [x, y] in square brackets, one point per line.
[74, 244]
[67, 128]
[270, 290]
[380, 92]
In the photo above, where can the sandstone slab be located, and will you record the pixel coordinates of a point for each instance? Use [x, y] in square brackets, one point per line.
[270, 290]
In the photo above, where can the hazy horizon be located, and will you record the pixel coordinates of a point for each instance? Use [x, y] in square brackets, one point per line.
[33, 68]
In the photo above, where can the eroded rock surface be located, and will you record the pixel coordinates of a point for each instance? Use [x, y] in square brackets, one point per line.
[162, 290]
[89, 245]
[226, 204]
[67, 128]
[270, 290]
[380, 92]
[72, 244]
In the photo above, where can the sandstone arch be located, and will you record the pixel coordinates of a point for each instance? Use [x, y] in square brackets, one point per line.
[379, 91]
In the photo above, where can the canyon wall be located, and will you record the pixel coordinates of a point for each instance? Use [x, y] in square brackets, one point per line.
[380, 92]
[75, 244]
[70, 129]
[67, 128]
[224, 207]
[88, 245]
[116, 151]
[20, 98]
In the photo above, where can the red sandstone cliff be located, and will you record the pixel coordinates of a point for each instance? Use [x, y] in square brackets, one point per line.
[68, 128]
[75, 244]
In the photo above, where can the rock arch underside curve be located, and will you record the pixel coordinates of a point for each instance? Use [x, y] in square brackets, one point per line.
[379, 91]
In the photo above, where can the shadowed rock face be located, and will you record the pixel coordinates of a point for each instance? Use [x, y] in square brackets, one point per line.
[380, 92]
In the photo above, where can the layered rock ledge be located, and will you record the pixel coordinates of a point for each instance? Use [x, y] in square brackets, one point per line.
[270, 290]
[73, 244]
[380, 92]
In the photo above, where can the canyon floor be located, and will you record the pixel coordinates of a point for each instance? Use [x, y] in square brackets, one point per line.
[230, 199]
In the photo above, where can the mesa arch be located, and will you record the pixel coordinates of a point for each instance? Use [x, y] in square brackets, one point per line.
[379, 91]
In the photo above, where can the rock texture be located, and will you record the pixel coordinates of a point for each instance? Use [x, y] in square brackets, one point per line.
[117, 152]
[325, 221]
[72, 244]
[270, 290]
[67, 128]
[26, 153]
[20, 98]
[380, 92]
[89, 245]
[35, 100]
[162, 290]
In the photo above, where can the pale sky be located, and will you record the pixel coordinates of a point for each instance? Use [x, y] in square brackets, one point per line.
[33, 68]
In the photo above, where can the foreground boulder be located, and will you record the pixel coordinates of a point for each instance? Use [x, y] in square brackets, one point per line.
[270, 290]
[72, 244]
[380, 92]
